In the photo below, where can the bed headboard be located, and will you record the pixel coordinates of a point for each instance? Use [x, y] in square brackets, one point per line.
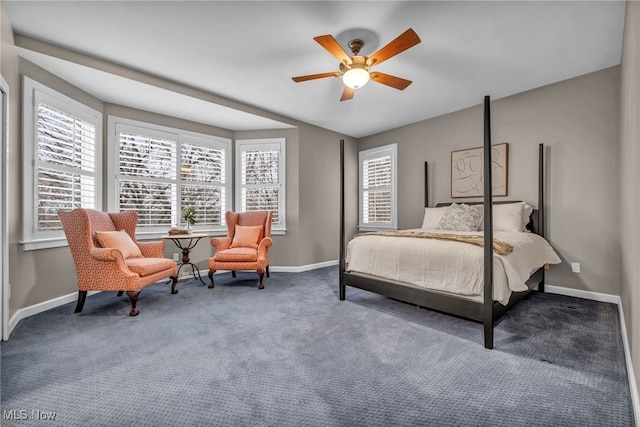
[536, 221]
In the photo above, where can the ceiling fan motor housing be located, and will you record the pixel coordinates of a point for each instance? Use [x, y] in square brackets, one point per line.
[355, 46]
[356, 62]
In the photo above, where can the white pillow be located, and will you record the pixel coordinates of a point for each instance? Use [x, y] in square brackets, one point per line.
[432, 217]
[461, 218]
[510, 217]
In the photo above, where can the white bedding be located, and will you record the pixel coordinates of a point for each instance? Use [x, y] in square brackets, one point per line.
[451, 267]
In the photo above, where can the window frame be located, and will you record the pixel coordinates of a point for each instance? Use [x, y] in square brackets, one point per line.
[34, 92]
[279, 144]
[116, 124]
[371, 154]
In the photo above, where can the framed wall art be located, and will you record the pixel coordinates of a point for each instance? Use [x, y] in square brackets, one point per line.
[467, 171]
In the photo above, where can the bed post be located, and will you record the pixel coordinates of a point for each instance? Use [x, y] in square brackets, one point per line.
[488, 230]
[541, 230]
[426, 184]
[342, 235]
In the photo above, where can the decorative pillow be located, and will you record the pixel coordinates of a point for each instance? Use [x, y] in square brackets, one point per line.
[510, 217]
[461, 217]
[432, 217]
[246, 236]
[119, 240]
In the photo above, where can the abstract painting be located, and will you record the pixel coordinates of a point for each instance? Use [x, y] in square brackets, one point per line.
[467, 171]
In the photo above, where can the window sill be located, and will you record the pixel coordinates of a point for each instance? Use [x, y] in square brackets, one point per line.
[34, 245]
[59, 242]
[374, 228]
[155, 235]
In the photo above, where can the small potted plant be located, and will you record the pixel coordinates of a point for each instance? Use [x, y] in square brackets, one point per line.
[189, 215]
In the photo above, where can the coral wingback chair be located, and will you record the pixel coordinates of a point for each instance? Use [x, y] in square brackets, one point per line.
[246, 246]
[120, 263]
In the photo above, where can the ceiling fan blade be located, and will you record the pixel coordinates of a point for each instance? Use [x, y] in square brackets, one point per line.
[315, 76]
[389, 80]
[401, 43]
[347, 93]
[333, 47]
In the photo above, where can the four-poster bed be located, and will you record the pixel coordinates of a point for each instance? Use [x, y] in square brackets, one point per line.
[482, 306]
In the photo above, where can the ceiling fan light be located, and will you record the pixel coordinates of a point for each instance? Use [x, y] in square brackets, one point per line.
[355, 78]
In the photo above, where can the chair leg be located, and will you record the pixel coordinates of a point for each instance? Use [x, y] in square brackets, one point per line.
[261, 274]
[120, 293]
[211, 278]
[82, 295]
[267, 271]
[133, 296]
[233, 274]
[174, 281]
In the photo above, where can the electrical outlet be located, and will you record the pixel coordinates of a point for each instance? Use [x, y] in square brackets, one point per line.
[176, 256]
[575, 267]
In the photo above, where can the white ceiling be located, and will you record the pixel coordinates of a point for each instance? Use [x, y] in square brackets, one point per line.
[248, 52]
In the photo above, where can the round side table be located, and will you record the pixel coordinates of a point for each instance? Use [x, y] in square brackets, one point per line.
[186, 242]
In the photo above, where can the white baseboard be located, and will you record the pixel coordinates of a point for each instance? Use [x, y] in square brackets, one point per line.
[633, 386]
[595, 296]
[283, 268]
[303, 268]
[614, 299]
[23, 313]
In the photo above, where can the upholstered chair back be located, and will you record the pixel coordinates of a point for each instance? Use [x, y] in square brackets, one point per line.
[248, 219]
[81, 225]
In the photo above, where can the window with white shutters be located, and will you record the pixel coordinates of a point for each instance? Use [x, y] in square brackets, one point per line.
[378, 187]
[160, 171]
[61, 162]
[203, 174]
[260, 178]
[147, 180]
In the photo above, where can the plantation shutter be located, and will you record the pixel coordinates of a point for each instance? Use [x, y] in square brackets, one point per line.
[377, 190]
[203, 182]
[261, 178]
[65, 165]
[147, 180]
[378, 187]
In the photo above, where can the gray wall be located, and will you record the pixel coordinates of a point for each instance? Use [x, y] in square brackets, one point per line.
[630, 177]
[578, 120]
[9, 67]
[320, 207]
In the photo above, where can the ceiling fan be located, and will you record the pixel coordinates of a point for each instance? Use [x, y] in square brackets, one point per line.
[355, 70]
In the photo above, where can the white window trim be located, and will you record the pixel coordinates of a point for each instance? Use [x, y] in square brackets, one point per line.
[280, 143]
[372, 154]
[5, 290]
[32, 91]
[115, 123]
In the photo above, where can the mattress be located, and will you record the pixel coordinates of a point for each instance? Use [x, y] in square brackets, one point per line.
[451, 267]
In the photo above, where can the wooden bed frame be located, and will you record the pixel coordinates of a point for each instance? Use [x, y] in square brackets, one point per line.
[487, 311]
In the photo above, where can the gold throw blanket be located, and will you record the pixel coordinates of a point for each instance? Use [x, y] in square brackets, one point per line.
[499, 247]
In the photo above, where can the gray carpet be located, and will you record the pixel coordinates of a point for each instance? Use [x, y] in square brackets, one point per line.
[294, 355]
